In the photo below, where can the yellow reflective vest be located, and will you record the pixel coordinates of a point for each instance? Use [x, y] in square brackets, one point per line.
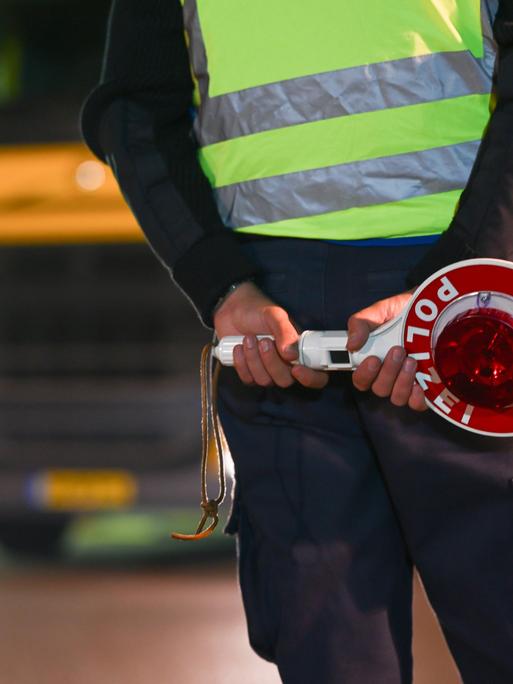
[336, 119]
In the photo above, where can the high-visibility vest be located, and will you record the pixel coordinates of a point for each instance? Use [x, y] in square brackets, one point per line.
[336, 119]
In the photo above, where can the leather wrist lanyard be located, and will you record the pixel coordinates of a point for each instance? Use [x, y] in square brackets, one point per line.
[211, 433]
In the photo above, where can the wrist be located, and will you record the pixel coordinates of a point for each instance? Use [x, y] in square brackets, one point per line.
[227, 296]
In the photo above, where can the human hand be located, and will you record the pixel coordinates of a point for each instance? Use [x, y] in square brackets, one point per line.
[249, 312]
[395, 376]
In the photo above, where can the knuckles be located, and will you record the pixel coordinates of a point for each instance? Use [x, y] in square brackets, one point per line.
[417, 404]
[275, 313]
[360, 384]
[284, 384]
[399, 400]
[266, 383]
[379, 391]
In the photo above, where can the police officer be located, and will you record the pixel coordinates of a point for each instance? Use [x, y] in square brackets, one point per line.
[334, 139]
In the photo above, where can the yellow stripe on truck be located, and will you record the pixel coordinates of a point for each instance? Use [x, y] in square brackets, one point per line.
[84, 489]
[59, 194]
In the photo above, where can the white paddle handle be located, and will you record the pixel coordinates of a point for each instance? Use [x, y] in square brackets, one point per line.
[327, 350]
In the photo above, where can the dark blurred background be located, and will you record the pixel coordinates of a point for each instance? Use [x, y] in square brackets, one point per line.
[41, 91]
[99, 407]
[98, 351]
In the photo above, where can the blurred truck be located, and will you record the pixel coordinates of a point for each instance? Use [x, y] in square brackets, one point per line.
[99, 352]
[99, 393]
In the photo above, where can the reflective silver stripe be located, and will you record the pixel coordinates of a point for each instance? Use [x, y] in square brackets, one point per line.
[352, 91]
[197, 54]
[336, 188]
[337, 93]
[489, 9]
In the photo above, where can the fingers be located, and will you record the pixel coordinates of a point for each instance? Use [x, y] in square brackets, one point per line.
[394, 378]
[403, 386]
[417, 400]
[240, 365]
[284, 333]
[265, 362]
[390, 373]
[258, 362]
[254, 362]
[309, 377]
[366, 373]
[278, 370]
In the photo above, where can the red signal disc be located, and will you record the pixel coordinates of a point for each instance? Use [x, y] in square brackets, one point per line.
[464, 350]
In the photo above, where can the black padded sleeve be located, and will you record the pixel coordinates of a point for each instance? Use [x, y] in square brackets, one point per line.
[138, 120]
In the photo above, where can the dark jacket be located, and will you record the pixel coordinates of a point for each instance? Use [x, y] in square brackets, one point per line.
[138, 120]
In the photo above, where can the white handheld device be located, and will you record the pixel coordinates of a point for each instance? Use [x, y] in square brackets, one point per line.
[326, 350]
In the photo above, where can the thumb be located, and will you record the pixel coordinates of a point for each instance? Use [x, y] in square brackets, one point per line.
[362, 323]
[358, 331]
[284, 333]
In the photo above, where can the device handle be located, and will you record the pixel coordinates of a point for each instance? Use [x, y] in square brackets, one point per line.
[326, 350]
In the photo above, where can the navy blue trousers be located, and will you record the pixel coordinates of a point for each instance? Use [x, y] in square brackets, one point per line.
[339, 494]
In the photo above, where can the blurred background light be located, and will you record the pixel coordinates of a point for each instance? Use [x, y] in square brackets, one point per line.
[90, 175]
